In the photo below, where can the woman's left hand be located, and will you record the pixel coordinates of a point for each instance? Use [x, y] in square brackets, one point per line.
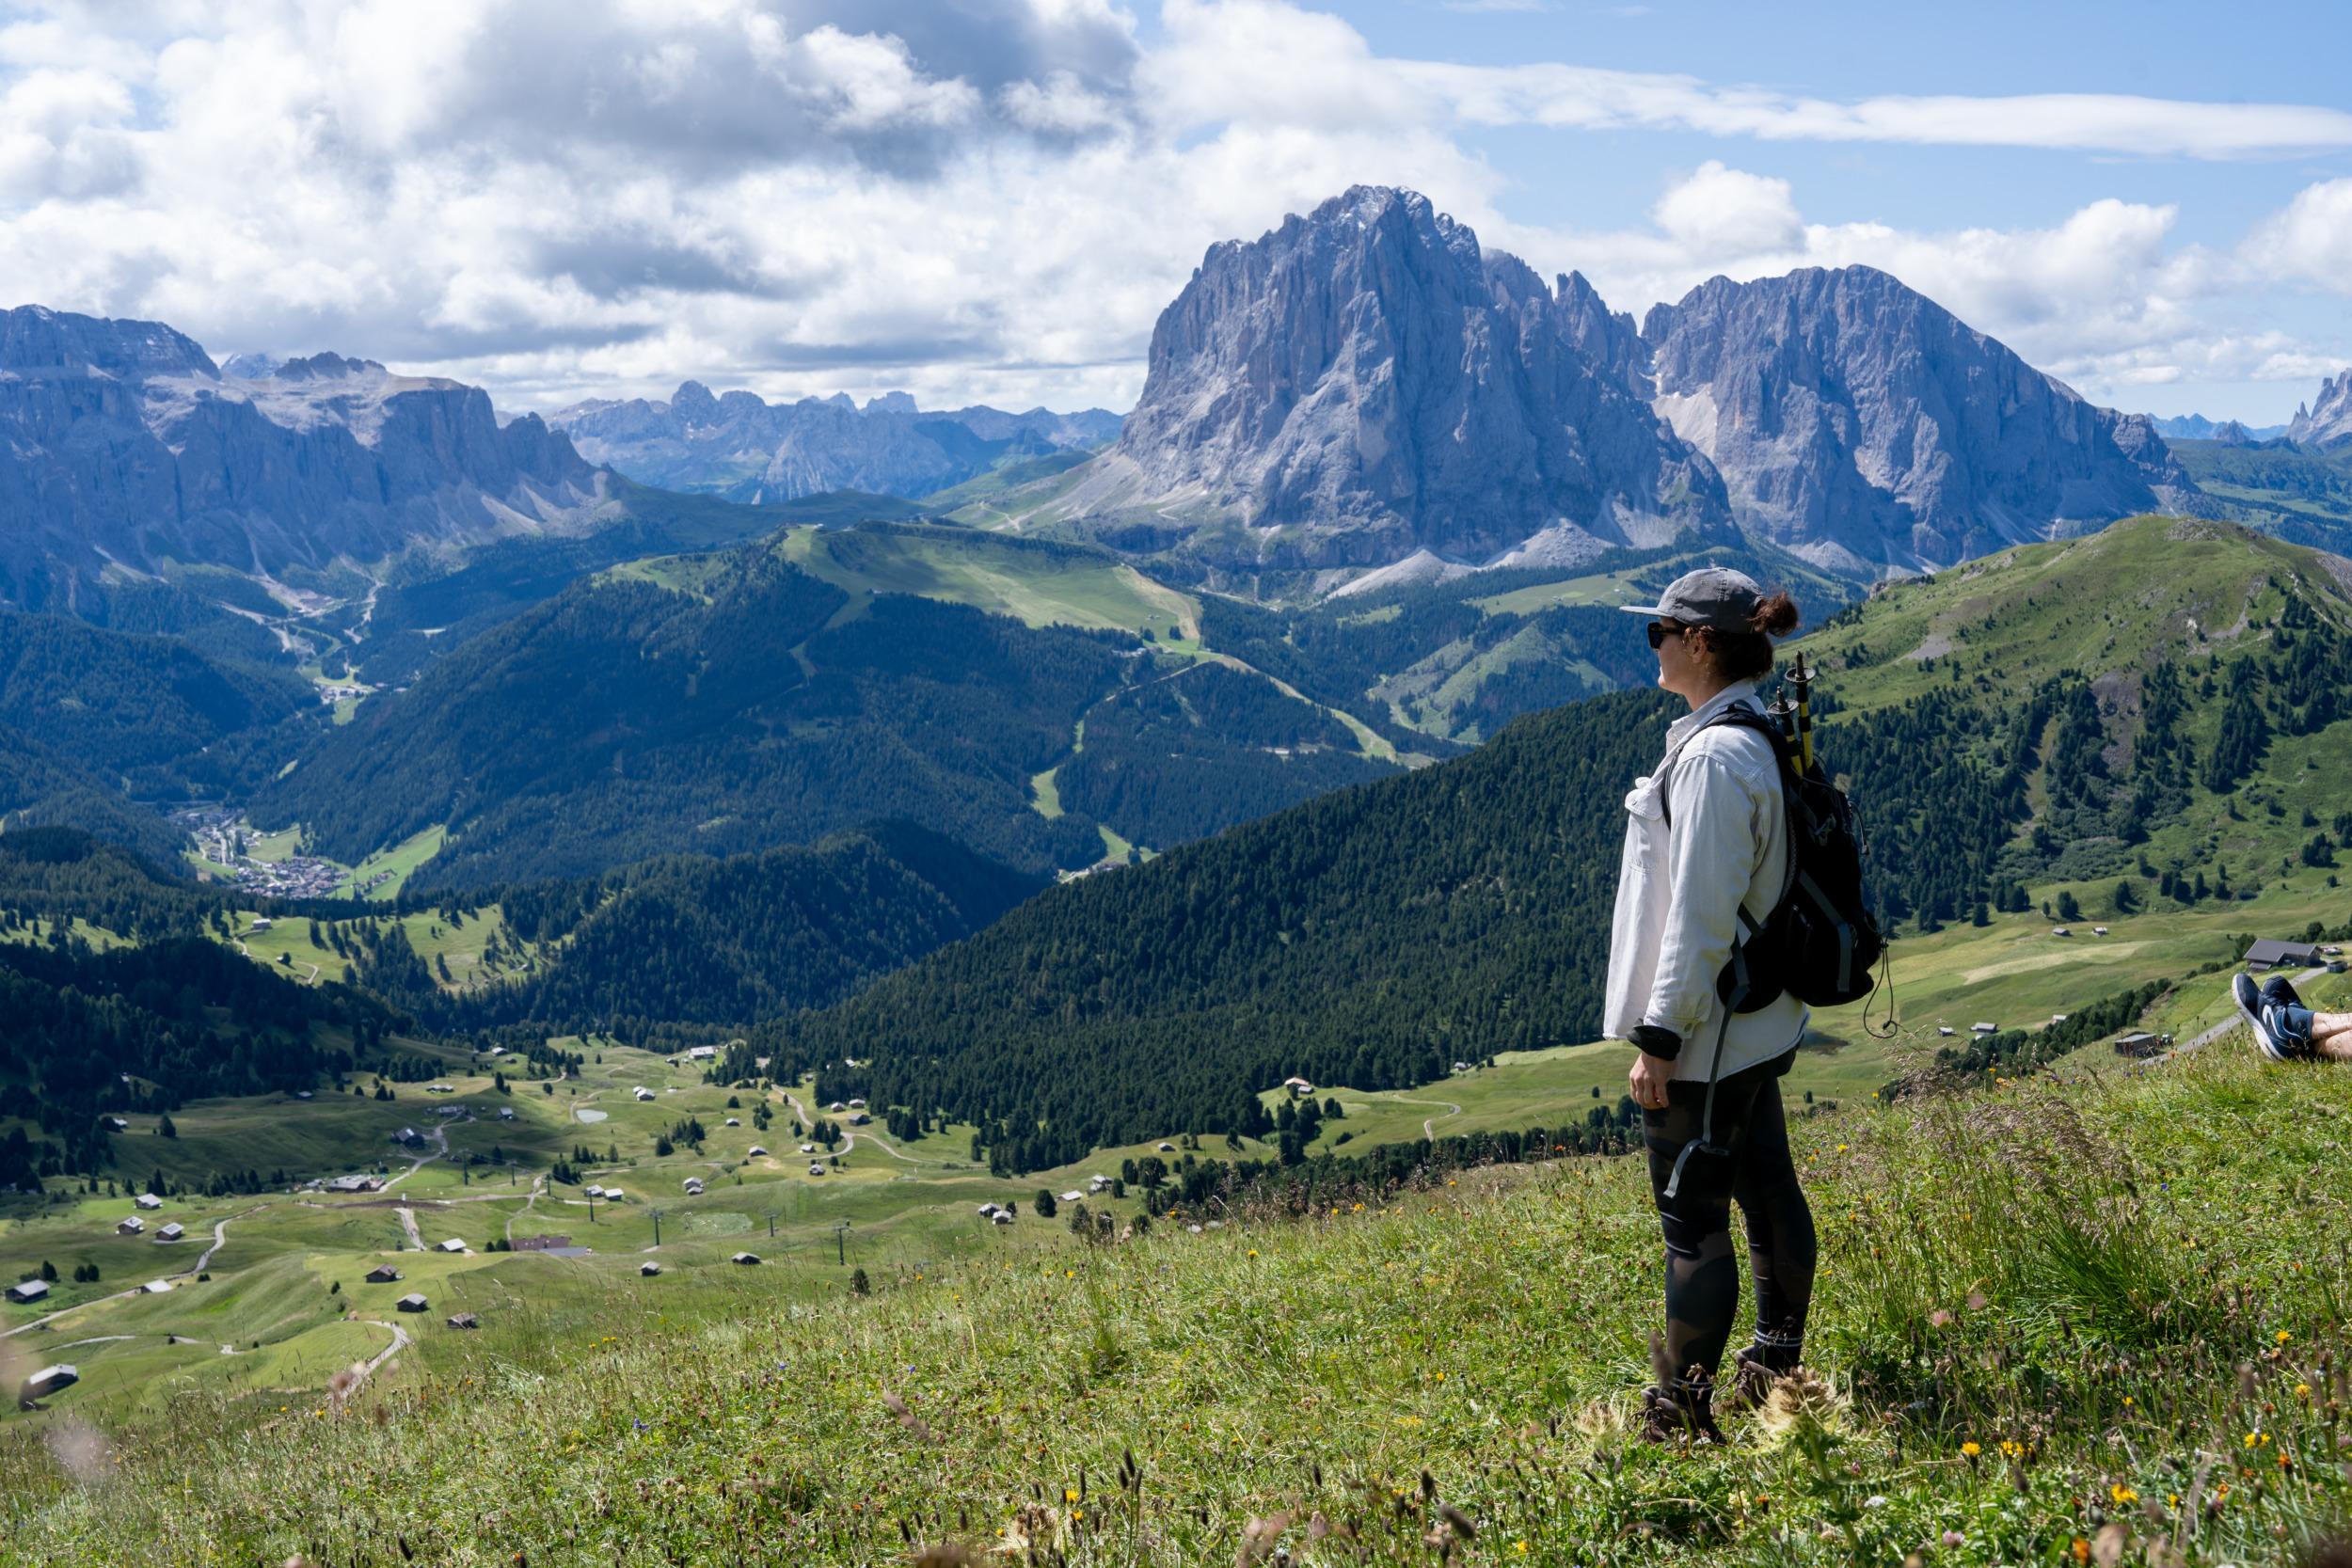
[1648, 1079]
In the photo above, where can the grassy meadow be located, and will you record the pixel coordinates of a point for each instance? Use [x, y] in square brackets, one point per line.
[2052, 1321]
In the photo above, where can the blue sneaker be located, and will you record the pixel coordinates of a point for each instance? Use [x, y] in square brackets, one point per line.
[2269, 1015]
[2283, 1010]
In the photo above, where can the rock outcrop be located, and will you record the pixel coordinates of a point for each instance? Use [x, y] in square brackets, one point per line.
[1364, 383]
[1865, 428]
[131, 449]
[2325, 424]
[738, 446]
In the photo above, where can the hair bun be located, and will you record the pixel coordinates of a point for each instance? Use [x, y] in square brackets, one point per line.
[1777, 616]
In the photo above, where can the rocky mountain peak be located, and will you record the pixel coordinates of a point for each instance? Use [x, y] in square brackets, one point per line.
[1365, 381]
[35, 339]
[1863, 427]
[2327, 423]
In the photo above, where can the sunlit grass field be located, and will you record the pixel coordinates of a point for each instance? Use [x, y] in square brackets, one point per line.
[2106, 1313]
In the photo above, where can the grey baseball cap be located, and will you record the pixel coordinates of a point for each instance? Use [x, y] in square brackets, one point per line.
[1713, 596]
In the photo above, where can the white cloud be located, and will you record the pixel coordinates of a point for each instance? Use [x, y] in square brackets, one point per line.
[987, 201]
[2310, 242]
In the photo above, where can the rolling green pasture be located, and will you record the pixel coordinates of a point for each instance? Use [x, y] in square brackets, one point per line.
[1080, 588]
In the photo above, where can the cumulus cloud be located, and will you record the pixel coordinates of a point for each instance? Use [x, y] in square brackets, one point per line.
[989, 199]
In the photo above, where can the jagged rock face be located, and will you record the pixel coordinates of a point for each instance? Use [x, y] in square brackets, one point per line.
[2328, 423]
[740, 447]
[1863, 427]
[131, 447]
[1365, 382]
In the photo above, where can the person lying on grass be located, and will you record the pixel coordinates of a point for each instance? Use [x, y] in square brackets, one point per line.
[1706, 842]
[2284, 1029]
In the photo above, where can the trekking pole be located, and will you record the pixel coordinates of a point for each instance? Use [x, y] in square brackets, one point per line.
[1802, 680]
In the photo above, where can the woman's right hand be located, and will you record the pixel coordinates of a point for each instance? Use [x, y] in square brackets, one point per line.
[1647, 1080]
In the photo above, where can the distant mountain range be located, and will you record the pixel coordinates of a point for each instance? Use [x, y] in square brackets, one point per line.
[2196, 427]
[742, 448]
[131, 451]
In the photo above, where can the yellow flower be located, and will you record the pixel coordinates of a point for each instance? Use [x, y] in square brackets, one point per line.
[2123, 1495]
[1068, 1495]
[2302, 1389]
[1253, 1252]
[1971, 1450]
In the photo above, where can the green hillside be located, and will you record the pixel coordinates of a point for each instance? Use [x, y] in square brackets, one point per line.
[725, 703]
[426, 608]
[2138, 728]
[1371, 937]
[675, 948]
[145, 712]
[2298, 495]
[41, 788]
[691, 939]
[2048, 1324]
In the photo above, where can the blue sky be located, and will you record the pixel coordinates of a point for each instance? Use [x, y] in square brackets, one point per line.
[992, 199]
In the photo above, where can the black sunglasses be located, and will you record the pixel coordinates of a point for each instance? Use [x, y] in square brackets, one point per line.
[1659, 631]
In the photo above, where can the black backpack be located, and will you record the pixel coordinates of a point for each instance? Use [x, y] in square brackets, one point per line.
[1821, 941]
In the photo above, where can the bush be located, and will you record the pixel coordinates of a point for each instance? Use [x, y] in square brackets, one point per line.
[1044, 1204]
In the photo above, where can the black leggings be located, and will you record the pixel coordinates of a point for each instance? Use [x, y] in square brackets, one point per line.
[1702, 1276]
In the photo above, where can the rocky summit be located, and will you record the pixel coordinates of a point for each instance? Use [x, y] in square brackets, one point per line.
[1863, 427]
[133, 450]
[2325, 424]
[1365, 382]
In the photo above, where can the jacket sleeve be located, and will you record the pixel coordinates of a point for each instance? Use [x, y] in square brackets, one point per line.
[1713, 851]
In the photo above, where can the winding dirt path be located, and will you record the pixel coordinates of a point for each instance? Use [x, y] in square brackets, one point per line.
[1427, 1132]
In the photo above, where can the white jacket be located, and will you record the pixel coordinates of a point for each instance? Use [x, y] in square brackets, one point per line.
[1679, 887]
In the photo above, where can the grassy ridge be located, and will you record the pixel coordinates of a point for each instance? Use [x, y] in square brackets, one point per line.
[2032, 1311]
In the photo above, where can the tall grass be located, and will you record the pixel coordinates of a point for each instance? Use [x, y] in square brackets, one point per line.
[2108, 1315]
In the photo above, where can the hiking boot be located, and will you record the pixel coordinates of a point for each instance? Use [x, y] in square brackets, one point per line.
[2281, 1023]
[1751, 1380]
[1671, 1422]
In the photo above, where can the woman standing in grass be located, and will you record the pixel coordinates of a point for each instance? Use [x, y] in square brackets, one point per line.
[1705, 854]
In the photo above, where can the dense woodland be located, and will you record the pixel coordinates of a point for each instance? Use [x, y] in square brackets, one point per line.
[140, 710]
[1371, 937]
[40, 788]
[622, 720]
[691, 939]
[428, 611]
[1200, 748]
[184, 1017]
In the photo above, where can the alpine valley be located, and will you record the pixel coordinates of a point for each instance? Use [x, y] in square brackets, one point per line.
[523, 864]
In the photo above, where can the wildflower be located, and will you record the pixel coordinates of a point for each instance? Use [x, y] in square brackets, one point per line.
[2124, 1496]
[1939, 1318]
[1953, 1537]
[2284, 1335]
[1971, 1450]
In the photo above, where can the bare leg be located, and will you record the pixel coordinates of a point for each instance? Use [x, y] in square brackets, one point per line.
[2331, 1036]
